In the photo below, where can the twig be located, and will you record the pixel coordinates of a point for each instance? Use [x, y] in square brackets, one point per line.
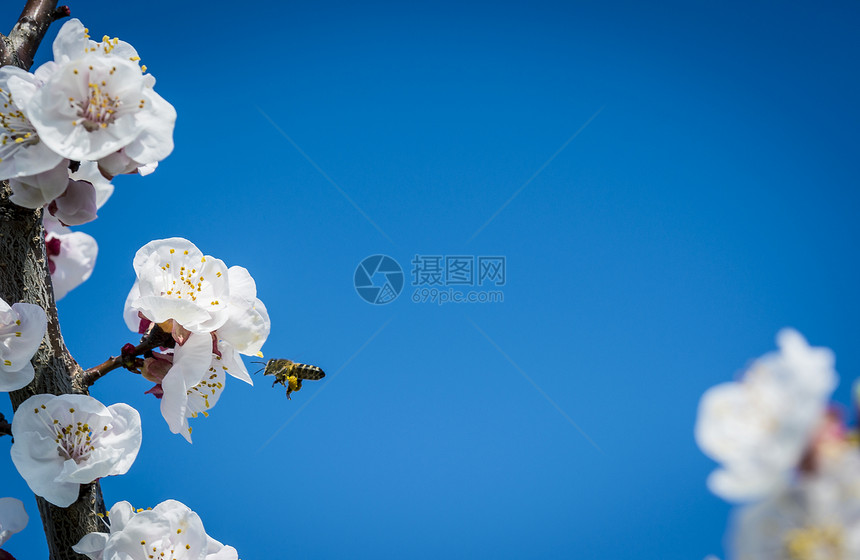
[20, 46]
[5, 427]
[127, 359]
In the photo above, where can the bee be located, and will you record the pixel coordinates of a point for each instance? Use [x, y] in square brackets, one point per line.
[290, 374]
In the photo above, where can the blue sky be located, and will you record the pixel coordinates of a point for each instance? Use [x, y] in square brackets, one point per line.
[710, 201]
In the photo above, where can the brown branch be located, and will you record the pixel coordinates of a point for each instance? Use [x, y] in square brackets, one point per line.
[127, 359]
[20, 46]
[24, 277]
[5, 427]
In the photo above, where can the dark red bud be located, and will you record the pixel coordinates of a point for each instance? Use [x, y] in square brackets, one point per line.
[144, 324]
[157, 391]
[52, 246]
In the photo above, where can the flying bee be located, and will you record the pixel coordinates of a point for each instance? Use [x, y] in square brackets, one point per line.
[290, 374]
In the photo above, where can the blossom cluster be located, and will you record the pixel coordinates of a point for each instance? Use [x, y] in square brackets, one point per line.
[66, 130]
[169, 530]
[213, 315]
[69, 127]
[786, 454]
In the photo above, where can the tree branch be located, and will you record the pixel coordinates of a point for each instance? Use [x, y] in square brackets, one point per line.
[24, 277]
[20, 46]
[154, 338]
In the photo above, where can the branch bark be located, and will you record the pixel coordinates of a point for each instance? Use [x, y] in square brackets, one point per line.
[24, 277]
[154, 338]
[20, 46]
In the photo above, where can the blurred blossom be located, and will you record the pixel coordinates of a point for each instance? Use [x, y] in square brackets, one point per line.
[760, 427]
[816, 518]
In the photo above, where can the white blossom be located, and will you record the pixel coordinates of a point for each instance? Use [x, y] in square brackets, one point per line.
[22, 328]
[175, 280]
[61, 442]
[760, 427]
[97, 101]
[21, 151]
[214, 315]
[818, 517]
[170, 530]
[13, 518]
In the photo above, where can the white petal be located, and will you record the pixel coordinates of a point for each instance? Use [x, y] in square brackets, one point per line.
[71, 41]
[217, 551]
[77, 205]
[117, 163]
[75, 263]
[13, 518]
[20, 338]
[248, 326]
[190, 364]
[232, 363]
[14, 380]
[129, 313]
[242, 285]
[92, 545]
[89, 171]
[35, 191]
[156, 122]
[120, 514]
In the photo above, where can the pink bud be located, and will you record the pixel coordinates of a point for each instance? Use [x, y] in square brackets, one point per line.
[77, 205]
[155, 368]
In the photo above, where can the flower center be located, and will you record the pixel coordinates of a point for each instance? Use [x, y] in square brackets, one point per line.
[186, 282]
[166, 550]
[98, 109]
[810, 543]
[75, 439]
[15, 127]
